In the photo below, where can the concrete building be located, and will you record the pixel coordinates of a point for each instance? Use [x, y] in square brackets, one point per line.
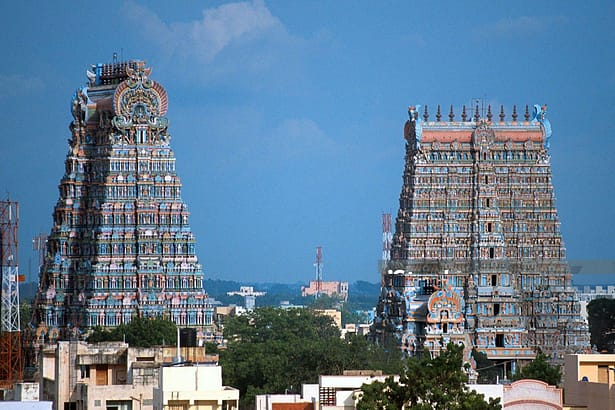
[286, 401]
[24, 396]
[197, 387]
[121, 244]
[107, 376]
[589, 381]
[588, 293]
[335, 288]
[331, 393]
[343, 393]
[31, 405]
[532, 394]
[249, 295]
[355, 329]
[478, 255]
[334, 314]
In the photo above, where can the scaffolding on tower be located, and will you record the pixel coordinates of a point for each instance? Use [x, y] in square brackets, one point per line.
[318, 265]
[11, 366]
[387, 237]
[39, 244]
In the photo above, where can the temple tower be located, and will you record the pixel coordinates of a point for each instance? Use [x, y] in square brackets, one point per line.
[478, 255]
[120, 245]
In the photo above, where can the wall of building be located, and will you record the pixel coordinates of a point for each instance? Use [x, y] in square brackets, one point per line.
[194, 385]
[328, 288]
[94, 374]
[282, 402]
[590, 380]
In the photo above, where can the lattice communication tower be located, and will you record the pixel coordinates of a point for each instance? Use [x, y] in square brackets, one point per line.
[11, 368]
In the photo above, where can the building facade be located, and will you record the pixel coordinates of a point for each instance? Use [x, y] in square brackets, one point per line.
[194, 387]
[331, 288]
[121, 244]
[477, 255]
[109, 375]
[589, 381]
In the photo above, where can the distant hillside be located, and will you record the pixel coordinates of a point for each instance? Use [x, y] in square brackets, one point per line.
[362, 294]
[361, 287]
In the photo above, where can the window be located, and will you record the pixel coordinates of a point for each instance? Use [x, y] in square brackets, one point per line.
[494, 280]
[101, 375]
[499, 340]
[491, 253]
[603, 374]
[496, 308]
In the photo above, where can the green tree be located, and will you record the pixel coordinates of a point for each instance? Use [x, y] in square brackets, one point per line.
[140, 332]
[540, 369]
[211, 348]
[352, 316]
[427, 383]
[323, 301]
[488, 370]
[601, 316]
[25, 314]
[273, 350]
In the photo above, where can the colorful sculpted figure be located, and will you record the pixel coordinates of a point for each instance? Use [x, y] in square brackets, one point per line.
[540, 115]
[413, 129]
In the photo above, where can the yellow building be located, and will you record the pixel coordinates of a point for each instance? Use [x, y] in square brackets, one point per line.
[590, 380]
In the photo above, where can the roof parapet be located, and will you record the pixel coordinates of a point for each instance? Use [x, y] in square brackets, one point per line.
[534, 121]
[538, 115]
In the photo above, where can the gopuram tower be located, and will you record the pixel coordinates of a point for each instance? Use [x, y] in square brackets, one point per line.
[120, 246]
[477, 255]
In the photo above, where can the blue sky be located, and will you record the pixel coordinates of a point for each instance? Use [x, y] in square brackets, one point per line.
[287, 116]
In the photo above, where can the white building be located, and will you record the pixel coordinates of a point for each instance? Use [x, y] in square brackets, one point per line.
[194, 387]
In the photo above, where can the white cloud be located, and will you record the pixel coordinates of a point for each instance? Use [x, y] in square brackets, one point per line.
[205, 38]
[298, 138]
[18, 84]
[520, 26]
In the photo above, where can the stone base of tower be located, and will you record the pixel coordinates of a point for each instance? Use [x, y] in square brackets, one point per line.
[421, 312]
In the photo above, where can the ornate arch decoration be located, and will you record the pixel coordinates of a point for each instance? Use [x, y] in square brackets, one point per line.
[138, 100]
[445, 306]
[483, 135]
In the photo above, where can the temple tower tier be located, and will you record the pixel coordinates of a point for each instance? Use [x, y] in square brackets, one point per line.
[477, 255]
[121, 245]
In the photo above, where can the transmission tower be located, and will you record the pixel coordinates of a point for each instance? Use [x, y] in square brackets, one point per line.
[11, 368]
[318, 265]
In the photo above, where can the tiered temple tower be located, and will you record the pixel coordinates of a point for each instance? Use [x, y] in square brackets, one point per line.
[478, 256]
[120, 245]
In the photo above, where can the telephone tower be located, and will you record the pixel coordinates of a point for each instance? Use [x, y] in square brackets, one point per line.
[318, 265]
[11, 368]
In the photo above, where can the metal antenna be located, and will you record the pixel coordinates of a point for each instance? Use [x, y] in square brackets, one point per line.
[318, 265]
